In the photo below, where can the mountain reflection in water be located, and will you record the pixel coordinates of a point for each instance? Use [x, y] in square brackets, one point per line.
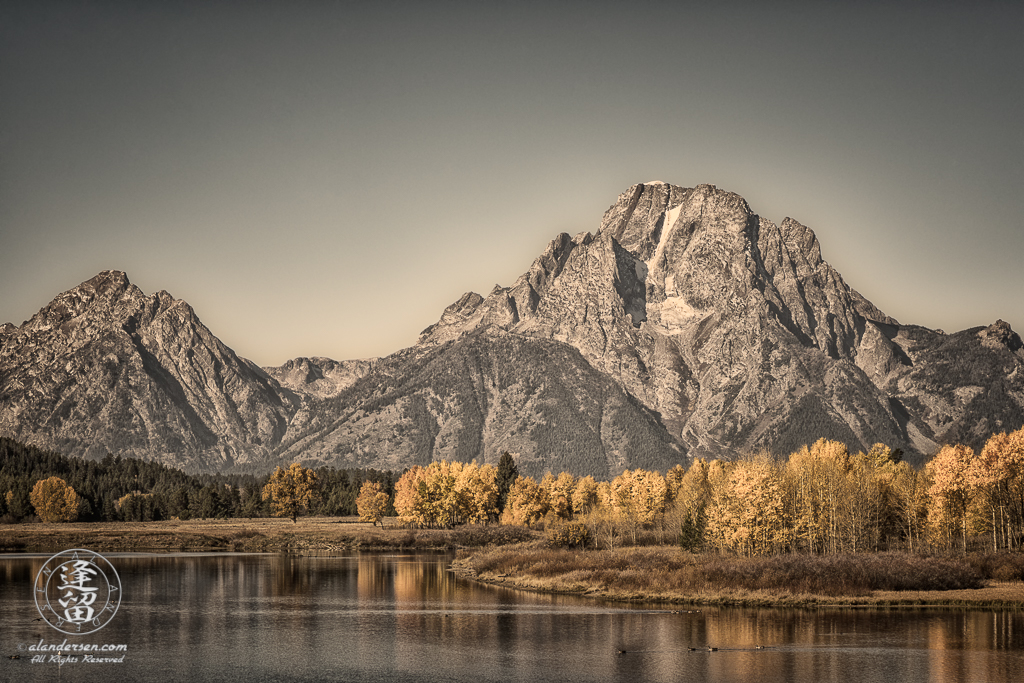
[404, 617]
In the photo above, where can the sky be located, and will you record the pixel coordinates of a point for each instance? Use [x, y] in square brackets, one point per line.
[324, 178]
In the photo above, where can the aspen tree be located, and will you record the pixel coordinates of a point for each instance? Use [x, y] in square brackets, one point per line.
[291, 491]
[954, 486]
[371, 503]
[817, 479]
[747, 512]
[910, 492]
[560, 491]
[409, 502]
[54, 500]
[479, 487]
[999, 473]
[584, 497]
[527, 502]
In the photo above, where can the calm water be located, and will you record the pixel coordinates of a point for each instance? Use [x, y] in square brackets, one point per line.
[403, 617]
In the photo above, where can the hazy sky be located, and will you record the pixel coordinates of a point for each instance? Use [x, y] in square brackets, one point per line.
[323, 178]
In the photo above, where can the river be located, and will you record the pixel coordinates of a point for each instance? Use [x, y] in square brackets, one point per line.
[403, 617]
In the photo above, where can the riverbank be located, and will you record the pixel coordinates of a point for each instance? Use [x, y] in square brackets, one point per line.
[515, 557]
[666, 575]
[249, 535]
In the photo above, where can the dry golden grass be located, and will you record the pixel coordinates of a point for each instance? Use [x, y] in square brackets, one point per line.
[249, 535]
[669, 575]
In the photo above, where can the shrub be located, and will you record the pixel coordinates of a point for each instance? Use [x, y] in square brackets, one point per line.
[842, 574]
[476, 535]
[570, 535]
[1001, 566]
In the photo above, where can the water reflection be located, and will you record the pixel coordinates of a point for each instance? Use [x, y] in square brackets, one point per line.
[404, 617]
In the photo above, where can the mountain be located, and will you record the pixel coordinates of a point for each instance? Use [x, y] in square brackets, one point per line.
[105, 368]
[686, 326]
[320, 377]
[740, 336]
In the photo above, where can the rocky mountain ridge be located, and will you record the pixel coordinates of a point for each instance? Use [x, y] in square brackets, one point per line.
[738, 334]
[105, 368]
[321, 377]
[686, 326]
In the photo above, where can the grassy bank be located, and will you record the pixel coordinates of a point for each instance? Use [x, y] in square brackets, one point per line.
[517, 557]
[248, 535]
[665, 574]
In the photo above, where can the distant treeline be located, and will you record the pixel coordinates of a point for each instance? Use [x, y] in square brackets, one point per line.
[133, 490]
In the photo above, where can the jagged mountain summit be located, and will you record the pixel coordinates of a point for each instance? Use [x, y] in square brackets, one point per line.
[739, 336]
[321, 377]
[686, 326]
[105, 368]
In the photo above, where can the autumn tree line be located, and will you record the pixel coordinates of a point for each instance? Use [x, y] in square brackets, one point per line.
[821, 499]
[128, 489]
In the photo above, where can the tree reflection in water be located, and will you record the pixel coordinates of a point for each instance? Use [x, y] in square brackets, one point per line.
[404, 617]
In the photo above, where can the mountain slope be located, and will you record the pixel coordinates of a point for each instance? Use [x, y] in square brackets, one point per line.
[104, 368]
[481, 395]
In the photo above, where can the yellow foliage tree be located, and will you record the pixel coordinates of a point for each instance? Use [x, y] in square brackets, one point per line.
[910, 494]
[871, 510]
[747, 512]
[604, 496]
[1001, 475]
[446, 504]
[690, 495]
[689, 492]
[954, 477]
[585, 498]
[409, 503]
[447, 493]
[560, 491]
[55, 501]
[527, 502]
[371, 503]
[291, 491]
[816, 479]
[674, 482]
[639, 496]
[479, 485]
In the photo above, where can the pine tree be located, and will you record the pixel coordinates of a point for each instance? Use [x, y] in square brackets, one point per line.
[508, 472]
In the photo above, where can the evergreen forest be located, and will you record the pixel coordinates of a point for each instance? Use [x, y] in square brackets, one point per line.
[131, 490]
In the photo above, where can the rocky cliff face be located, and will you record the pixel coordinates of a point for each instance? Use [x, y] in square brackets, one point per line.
[487, 392]
[685, 326]
[738, 334]
[321, 377]
[105, 368]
